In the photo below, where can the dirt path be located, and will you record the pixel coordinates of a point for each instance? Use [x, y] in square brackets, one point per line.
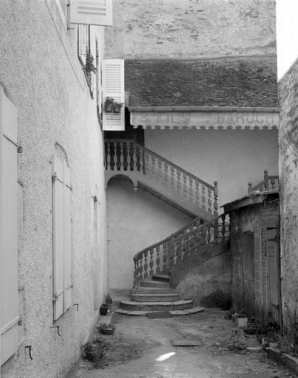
[139, 342]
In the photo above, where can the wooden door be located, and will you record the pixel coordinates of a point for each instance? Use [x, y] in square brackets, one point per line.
[273, 275]
[248, 272]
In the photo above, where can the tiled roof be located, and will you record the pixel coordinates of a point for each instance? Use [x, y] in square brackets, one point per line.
[236, 82]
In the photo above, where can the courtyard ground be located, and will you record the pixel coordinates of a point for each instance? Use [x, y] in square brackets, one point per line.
[145, 348]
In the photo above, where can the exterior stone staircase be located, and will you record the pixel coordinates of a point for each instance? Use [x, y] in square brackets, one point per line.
[154, 297]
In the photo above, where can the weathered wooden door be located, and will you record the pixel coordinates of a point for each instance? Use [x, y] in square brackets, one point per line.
[273, 275]
[248, 272]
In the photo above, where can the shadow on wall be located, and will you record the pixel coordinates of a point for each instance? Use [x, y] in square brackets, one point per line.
[136, 219]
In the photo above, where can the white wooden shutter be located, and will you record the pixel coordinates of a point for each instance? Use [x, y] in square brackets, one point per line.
[113, 86]
[58, 242]
[8, 228]
[61, 238]
[91, 12]
[67, 239]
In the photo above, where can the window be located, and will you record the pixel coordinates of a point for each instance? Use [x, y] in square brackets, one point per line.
[9, 228]
[61, 234]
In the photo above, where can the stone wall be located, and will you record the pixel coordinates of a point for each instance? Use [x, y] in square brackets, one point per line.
[191, 29]
[42, 74]
[287, 33]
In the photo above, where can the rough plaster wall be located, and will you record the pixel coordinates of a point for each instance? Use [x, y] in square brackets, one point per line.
[206, 278]
[40, 69]
[188, 28]
[231, 157]
[288, 140]
[136, 220]
[288, 154]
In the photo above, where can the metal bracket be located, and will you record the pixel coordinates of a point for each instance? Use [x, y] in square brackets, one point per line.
[29, 347]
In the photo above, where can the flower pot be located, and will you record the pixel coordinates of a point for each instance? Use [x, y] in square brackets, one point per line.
[90, 356]
[103, 309]
[117, 109]
[109, 108]
[241, 322]
[107, 331]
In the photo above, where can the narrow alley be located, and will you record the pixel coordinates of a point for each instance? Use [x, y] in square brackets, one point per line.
[144, 348]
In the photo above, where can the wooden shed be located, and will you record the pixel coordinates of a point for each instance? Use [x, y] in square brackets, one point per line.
[256, 284]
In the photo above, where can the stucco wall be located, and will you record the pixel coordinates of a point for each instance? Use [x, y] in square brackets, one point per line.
[136, 220]
[231, 157]
[40, 69]
[288, 154]
[186, 29]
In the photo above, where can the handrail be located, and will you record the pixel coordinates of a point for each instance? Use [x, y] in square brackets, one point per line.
[162, 255]
[176, 234]
[177, 167]
[264, 185]
[145, 167]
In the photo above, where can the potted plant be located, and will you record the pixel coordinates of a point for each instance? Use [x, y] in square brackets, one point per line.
[241, 319]
[112, 106]
[89, 66]
[103, 309]
[93, 350]
[106, 328]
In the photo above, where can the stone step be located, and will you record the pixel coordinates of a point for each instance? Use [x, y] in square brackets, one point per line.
[153, 290]
[151, 283]
[156, 306]
[190, 311]
[164, 277]
[172, 297]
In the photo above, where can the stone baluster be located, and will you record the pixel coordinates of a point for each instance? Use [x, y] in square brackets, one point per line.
[208, 234]
[190, 190]
[166, 177]
[172, 181]
[108, 157]
[145, 264]
[185, 186]
[165, 256]
[131, 156]
[215, 205]
[223, 230]
[179, 183]
[203, 197]
[135, 272]
[135, 157]
[148, 171]
[121, 157]
[266, 180]
[157, 259]
[175, 252]
[153, 168]
[197, 194]
[159, 162]
[151, 263]
[209, 200]
[141, 267]
[272, 181]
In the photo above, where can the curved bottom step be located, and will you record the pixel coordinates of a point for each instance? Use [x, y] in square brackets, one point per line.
[189, 311]
[156, 306]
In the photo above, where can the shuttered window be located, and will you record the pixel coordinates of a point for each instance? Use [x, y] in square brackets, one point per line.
[88, 12]
[61, 236]
[113, 86]
[8, 228]
[83, 42]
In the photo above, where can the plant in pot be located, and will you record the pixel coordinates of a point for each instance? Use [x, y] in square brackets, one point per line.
[241, 319]
[89, 66]
[94, 349]
[103, 309]
[112, 106]
[107, 329]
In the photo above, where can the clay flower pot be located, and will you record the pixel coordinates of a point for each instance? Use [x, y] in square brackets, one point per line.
[103, 309]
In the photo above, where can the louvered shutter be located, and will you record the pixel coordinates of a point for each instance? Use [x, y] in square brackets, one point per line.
[113, 86]
[96, 12]
[67, 238]
[61, 238]
[58, 242]
[8, 227]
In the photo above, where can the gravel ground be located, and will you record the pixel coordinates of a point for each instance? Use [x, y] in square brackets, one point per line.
[138, 343]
